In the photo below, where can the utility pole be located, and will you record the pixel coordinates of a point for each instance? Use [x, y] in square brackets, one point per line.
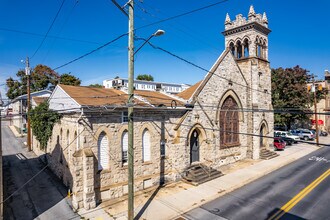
[315, 114]
[130, 110]
[27, 72]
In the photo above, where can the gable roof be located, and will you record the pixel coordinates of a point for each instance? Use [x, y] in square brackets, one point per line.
[33, 94]
[38, 100]
[89, 96]
[211, 73]
[186, 94]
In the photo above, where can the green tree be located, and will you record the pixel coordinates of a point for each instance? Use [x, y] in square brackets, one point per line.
[145, 77]
[42, 77]
[42, 122]
[290, 96]
[96, 85]
[68, 79]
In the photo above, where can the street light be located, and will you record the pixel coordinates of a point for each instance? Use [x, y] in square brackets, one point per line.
[156, 34]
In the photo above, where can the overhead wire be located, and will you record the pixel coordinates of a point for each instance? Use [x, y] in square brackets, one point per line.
[64, 23]
[49, 36]
[91, 52]
[50, 27]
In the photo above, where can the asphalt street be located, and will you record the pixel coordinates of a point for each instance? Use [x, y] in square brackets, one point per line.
[301, 189]
[25, 197]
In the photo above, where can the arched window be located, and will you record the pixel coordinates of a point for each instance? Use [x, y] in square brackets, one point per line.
[239, 49]
[124, 147]
[232, 48]
[246, 48]
[103, 151]
[146, 145]
[229, 123]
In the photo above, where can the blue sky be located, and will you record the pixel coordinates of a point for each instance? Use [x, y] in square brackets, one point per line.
[300, 36]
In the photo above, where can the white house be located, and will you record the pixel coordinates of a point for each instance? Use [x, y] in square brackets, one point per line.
[172, 88]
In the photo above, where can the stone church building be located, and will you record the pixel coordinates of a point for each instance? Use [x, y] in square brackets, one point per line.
[224, 118]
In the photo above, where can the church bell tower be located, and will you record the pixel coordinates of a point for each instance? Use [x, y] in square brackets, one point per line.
[247, 41]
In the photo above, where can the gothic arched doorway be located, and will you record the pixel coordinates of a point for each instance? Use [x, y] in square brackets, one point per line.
[262, 134]
[194, 146]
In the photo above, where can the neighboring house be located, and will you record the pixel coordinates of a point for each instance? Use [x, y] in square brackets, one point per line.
[19, 107]
[172, 88]
[222, 119]
[323, 106]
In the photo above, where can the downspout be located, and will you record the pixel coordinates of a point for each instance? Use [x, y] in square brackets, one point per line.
[77, 129]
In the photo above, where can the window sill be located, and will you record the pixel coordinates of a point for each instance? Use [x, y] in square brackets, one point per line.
[146, 162]
[223, 146]
[104, 171]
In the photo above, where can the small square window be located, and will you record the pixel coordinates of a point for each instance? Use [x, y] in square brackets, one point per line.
[124, 117]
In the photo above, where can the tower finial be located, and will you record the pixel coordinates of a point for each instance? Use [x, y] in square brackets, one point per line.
[227, 21]
[264, 18]
[252, 13]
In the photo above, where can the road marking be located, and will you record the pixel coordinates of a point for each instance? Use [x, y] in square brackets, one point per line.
[319, 159]
[289, 205]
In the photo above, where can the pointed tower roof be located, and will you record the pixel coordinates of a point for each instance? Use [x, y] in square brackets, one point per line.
[264, 18]
[227, 21]
[252, 13]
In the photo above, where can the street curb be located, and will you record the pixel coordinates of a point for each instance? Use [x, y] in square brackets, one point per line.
[14, 131]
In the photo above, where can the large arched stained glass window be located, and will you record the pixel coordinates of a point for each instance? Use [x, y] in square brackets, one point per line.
[229, 123]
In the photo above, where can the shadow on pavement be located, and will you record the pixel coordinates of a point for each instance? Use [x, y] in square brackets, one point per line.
[29, 198]
[278, 214]
[145, 206]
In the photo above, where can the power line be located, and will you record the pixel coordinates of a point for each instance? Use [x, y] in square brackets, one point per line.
[183, 14]
[93, 51]
[164, 20]
[50, 27]
[49, 36]
[65, 22]
[202, 68]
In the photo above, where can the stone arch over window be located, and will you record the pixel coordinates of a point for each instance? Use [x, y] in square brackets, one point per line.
[229, 123]
[146, 145]
[103, 153]
[233, 94]
[124, 147]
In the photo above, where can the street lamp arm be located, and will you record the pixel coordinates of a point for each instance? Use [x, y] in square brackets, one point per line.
[156, 34]
[144, 43]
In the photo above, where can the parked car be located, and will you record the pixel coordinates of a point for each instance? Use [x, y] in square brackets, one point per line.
[279, 144]
[288, 134]
[304, 134]
[281, 134]
[324, 133]
[321, 133]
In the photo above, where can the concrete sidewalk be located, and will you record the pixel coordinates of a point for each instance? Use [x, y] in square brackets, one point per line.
[175, 199]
